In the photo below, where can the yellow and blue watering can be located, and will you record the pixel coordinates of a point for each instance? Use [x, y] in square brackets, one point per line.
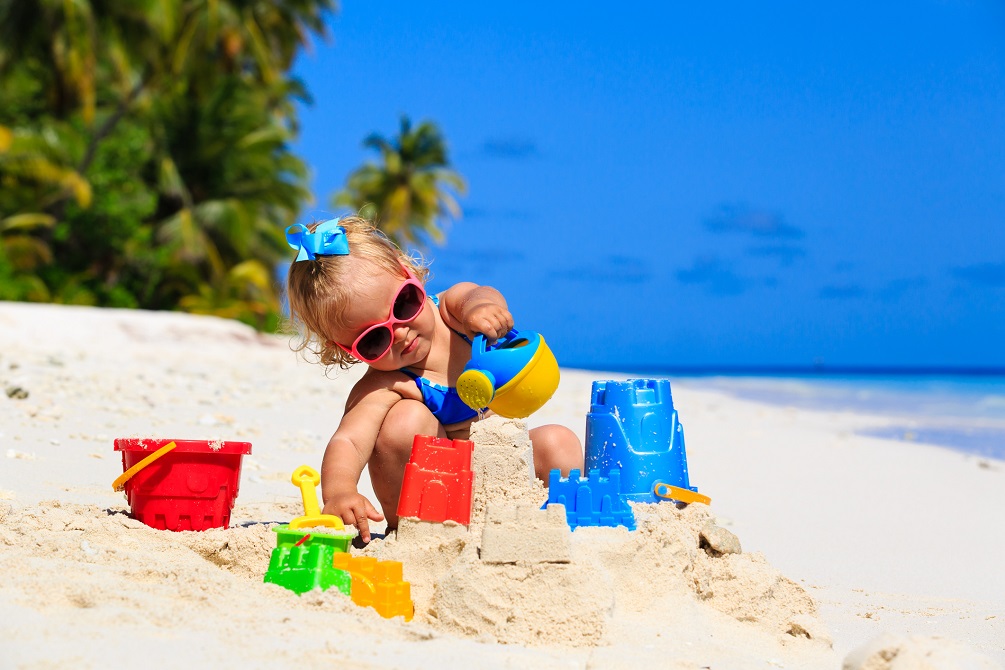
[513, 377]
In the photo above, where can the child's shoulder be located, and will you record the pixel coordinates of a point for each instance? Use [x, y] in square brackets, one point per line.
[384, 381]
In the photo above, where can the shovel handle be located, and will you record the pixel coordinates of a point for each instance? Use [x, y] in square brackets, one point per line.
[307, 478]
[679, 494]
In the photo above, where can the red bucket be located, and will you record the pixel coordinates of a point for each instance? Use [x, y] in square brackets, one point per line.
[191, 487]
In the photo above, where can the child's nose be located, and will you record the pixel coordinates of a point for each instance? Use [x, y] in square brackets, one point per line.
[400, 332]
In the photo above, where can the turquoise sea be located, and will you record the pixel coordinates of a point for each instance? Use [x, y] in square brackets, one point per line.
[961, 412]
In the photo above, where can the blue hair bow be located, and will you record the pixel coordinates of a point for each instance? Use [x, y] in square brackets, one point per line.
[328, 239]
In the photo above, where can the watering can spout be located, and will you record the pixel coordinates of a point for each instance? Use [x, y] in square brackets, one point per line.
[477, 388]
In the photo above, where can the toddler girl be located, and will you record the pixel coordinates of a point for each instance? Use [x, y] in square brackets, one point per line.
[357, 297]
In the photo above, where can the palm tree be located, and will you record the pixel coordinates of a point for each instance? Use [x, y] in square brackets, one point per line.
[177, 115]
[227, 180]
[412, 189]
[34, 174]
[229, 184]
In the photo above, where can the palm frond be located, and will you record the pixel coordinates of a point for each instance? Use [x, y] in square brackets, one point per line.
[27, 220]
[411, 188]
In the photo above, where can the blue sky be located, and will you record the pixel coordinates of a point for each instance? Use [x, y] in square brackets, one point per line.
[710, 184]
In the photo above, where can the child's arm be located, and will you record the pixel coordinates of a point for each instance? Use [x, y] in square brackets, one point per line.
[475, 309]
[348, 452]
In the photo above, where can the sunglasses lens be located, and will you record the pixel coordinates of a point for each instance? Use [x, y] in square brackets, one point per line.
[373, 345]
[408, 304]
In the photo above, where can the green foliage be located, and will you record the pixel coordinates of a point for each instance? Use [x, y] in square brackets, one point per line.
[410, 192]
[144, 151]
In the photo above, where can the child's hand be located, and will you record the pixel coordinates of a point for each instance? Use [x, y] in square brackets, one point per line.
[476, 310]
[488, 318]
[355, 510]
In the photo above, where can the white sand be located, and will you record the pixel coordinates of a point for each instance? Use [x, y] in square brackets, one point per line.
[844, 537]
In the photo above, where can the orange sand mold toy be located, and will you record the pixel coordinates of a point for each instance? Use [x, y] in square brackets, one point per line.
[378, 584]
[180, 484]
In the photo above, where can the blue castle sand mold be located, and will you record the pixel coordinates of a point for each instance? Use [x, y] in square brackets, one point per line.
[633, 429]
[590, 501]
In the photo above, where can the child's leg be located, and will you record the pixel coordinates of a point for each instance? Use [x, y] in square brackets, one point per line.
[555, 447]
[405, 420]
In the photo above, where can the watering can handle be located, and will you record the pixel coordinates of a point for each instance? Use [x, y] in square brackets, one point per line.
[481, 343]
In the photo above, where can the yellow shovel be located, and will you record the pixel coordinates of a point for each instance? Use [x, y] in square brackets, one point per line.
[307, 478]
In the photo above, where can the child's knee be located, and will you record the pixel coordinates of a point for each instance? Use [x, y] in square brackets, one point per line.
[405, 420]
[554, 438]
[555, 447]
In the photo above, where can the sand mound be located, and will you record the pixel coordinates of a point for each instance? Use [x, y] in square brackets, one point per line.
[84, 556]
[915, 652]
[537, 584]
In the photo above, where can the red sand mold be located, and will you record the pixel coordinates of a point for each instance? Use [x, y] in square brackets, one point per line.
[192, 487]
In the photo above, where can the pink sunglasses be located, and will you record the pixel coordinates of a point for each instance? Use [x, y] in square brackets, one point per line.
[374, 342]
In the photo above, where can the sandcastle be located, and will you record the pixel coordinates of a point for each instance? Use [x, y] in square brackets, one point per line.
[518, 574]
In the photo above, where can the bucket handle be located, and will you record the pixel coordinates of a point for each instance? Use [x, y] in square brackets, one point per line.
[661, 490]
[120, 481]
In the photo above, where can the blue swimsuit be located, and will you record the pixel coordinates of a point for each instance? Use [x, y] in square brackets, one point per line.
[442, 401]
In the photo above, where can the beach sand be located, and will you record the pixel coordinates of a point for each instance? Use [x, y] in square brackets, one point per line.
[856, 550]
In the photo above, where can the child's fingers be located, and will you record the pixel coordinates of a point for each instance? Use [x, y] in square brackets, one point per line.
[363, 526]
[355, 512]
[348, 518]
[372, 513]
[503, 323]
[493, 321]
[495, 326]
[332, 507]
[352, 516]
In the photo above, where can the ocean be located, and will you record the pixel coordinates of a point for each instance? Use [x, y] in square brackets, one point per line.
[961, 412]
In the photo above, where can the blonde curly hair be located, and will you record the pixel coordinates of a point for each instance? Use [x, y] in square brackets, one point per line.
[319, 290]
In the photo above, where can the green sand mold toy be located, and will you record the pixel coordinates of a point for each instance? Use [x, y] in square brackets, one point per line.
[303, 557]
[303, 561]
